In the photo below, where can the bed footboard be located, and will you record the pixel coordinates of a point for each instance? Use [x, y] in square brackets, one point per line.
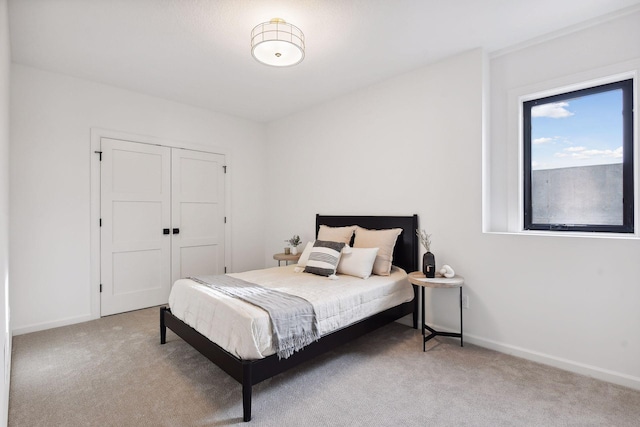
[251, 372]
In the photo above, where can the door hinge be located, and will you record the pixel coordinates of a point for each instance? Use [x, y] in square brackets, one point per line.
[100, 287]
[100, 222]
[99, 152]
[225, 270]
[225, 219]
[225, 168]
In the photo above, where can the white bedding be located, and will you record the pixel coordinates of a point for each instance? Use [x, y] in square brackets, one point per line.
[244, 330]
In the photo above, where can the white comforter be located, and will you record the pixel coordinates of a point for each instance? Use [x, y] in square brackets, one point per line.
[244, 330]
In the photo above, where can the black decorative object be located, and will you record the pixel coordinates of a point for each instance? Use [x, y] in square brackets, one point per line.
[429, 265]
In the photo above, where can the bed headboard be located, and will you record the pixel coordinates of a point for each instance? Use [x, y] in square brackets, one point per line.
[406, 251]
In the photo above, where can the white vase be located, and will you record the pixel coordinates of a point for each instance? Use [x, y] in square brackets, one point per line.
[294, 250]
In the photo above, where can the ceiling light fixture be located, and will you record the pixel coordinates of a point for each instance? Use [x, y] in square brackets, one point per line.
[277, 43]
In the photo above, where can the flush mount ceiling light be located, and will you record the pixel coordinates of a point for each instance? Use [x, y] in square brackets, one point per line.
[277, 43]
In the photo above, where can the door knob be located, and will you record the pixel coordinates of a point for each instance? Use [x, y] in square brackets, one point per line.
[176, 231]
[165, 231]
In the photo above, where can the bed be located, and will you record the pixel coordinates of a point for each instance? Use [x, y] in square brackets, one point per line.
[248, 368]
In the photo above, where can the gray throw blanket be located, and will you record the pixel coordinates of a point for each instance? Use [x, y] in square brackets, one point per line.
[293, 319]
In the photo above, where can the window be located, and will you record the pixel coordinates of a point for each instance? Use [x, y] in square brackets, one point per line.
[578, 160]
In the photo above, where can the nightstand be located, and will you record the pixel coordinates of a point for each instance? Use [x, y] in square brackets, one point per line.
[417, 278]
[286, 258]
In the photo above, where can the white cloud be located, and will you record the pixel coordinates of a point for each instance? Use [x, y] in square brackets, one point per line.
[580, 153]
[554, 110]
[542, 140]
[617, 153]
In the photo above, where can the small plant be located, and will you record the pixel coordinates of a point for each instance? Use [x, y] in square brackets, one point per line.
[425, 239]
[294, 241]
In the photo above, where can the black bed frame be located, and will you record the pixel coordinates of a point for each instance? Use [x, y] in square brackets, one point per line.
[251, 372]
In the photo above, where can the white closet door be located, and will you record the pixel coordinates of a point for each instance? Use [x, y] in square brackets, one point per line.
[135, 210]
[197, 213]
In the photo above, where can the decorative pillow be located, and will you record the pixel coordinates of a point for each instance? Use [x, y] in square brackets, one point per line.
[324, 258]
[336, 234]
[304, 257]
[358, 262]
[385, 240]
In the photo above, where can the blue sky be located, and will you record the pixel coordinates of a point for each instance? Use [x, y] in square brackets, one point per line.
[577, 132]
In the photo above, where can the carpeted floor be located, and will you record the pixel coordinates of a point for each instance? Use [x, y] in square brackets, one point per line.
[114, 372]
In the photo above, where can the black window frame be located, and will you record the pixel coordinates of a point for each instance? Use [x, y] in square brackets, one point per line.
[627, 159]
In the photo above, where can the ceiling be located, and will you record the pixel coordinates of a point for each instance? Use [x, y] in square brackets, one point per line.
[198, 51]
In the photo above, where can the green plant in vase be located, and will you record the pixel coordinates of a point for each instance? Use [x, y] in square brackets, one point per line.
[294, 242]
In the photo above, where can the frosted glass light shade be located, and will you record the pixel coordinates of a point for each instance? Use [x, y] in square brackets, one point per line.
[277, 43]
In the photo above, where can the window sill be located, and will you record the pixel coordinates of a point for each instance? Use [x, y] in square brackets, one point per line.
[577, 234]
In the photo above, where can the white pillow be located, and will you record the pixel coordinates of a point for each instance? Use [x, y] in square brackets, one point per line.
[304, 257]
[358, 262]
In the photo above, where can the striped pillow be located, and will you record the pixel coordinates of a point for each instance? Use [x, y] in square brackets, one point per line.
[324, 258]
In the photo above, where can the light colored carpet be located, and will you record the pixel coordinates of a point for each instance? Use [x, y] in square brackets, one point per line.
[114, 372]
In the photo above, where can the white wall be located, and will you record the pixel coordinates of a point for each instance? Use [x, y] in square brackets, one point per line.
[594, 282]
[5, 327]
[413, 144]
[52, 117]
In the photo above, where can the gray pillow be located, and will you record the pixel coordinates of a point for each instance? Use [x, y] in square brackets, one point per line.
[324, 258]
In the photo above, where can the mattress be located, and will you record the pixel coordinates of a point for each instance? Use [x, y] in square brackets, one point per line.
[244, 330]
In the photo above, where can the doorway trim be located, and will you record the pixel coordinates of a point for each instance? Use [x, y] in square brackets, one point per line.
[96, 135]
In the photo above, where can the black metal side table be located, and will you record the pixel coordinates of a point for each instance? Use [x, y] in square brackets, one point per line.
[417, 278]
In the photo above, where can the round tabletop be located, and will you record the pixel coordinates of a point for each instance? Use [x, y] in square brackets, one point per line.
[418, 278]
[287, 257]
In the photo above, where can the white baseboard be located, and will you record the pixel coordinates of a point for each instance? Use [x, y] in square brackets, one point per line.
[50, 325]
[557, 362]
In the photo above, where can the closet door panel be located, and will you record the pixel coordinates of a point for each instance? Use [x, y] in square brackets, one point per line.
[136, 224]
[198, 216]
[135, 208]
[198, 213]
[200, 261]
[137, 271]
